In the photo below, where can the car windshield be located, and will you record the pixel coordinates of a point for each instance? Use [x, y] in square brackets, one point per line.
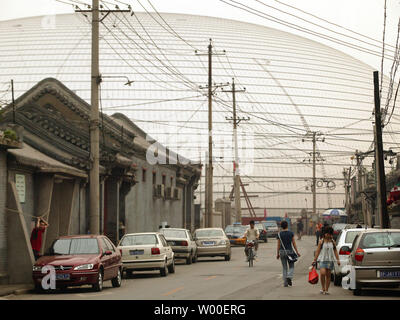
[270, 224]
[139, 239]
[350, 236]
[178, 234]
[380, 240]
[74, 246]
[209, 234]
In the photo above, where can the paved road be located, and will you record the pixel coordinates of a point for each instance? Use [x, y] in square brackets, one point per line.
[214, 278]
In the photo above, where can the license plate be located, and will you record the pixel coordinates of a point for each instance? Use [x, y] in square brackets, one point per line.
[62, 276]
[208, 243]
[136, 252]
[388, 274]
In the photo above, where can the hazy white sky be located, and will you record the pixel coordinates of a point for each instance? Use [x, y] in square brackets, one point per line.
[362, 16]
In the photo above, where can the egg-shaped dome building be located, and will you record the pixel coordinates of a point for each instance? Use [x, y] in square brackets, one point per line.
[155, 71]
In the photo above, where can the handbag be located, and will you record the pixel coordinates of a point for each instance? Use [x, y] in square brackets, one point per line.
[292, 257]
[313, 276]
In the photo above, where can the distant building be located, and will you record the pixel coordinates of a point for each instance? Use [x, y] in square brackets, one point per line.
[48, 176]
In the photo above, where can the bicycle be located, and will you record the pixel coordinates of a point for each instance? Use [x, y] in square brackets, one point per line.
[251, 257]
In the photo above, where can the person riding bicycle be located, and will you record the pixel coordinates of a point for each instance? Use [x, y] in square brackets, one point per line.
[251, 234]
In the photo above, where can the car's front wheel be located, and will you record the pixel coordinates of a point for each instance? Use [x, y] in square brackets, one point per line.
[116, 282]
[98, 286]
[357, 290]
[38, 288]
[228, 257]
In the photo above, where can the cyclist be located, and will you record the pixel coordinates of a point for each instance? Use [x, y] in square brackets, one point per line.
[250, 235]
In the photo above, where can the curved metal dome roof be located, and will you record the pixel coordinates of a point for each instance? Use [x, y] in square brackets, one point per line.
[293, 86]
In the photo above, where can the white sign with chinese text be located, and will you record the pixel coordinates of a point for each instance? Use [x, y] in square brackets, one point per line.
[20, 186]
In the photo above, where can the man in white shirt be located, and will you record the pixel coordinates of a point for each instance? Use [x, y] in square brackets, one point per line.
[251, 234]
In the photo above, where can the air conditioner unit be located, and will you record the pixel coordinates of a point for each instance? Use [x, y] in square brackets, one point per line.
[162, 192]
[169, 193]
[177, 194]
[155, 191]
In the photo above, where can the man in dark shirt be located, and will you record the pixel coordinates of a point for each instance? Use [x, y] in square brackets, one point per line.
[37, 236]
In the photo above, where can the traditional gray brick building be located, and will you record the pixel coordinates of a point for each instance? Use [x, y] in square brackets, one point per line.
[48, 176]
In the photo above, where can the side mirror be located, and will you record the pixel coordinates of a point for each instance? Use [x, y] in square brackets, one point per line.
[107, 253]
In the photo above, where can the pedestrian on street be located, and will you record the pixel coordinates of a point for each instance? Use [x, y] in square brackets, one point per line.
[299, 229]
[326, 255]
[288, 242]
[318, 229]
[37, 236]
[251, 234]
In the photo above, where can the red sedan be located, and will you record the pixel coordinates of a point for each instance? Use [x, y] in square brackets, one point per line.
[79, 260]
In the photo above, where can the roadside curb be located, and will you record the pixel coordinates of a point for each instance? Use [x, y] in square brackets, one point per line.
[15, 291]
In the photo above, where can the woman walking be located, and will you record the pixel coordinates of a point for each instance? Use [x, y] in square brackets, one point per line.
[326, 255]
[285, 246]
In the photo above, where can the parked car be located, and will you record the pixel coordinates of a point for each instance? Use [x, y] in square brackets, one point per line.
[146, 251]
[344, 245]
[272, 228]
[235, 234]
[337, 227]
[182, 243]
[375, 257]
[212, 242]
[81, 260]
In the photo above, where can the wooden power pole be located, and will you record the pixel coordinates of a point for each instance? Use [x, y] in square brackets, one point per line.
[94, 175]
[209, 165]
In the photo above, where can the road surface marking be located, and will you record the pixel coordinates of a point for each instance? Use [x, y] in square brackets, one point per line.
[212, 277]
[172, 291]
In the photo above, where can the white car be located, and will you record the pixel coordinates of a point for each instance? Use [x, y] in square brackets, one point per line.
[182, 243]
[344, 244]
[146, 251]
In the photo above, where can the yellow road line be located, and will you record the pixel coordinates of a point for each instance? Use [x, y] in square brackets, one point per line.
[173, 291]
[212, 277]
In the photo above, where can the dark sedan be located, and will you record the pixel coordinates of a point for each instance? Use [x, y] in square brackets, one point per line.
[79, 260]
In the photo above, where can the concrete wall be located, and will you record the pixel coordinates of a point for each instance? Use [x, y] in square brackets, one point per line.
[143, 213]
[3, 213]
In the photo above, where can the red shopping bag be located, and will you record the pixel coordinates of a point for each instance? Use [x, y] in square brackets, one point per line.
[313, 276]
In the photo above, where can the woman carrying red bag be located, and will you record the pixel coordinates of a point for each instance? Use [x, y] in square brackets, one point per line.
[326, 255]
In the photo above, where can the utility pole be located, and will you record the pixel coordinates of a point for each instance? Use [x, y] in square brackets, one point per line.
[236, 171]
[94, 175]
[313, 136]
[381, 180]
[13, 101]
[209, 166]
